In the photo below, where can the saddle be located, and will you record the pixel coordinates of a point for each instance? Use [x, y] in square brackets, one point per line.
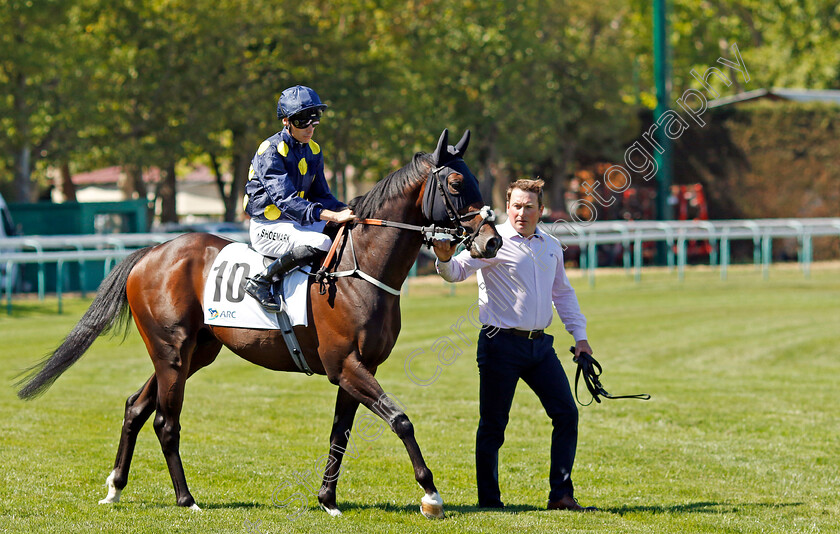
[227, 304]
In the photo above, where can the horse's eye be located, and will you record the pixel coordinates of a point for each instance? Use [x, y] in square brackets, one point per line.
[455, 186]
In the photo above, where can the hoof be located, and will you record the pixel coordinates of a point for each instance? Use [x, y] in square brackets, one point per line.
[334, 512]
[195, 508]
[431, 506]
[113, 493]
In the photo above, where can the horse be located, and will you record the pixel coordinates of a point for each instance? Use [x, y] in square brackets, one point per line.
[352, 327]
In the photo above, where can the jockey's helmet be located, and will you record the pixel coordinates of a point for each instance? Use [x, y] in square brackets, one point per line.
[297, 100]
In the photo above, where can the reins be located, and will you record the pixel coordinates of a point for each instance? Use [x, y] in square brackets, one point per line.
[322, 274]
[587, 366]
[459, 233]
[455, 228]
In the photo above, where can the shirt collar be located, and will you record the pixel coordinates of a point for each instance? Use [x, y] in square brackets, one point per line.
[289, 138]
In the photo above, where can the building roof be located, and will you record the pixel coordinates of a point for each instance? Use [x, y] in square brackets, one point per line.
[111, 175]
[197, 192]
[778, 93]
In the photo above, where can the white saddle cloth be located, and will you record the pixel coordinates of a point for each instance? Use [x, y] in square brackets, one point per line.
[227, 304]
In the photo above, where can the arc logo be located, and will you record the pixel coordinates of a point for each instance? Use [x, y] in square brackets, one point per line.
[215, 314]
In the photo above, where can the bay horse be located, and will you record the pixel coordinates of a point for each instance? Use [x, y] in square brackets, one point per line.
[352, 327]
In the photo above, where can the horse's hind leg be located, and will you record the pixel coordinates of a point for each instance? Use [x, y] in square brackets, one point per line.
[172, 368]
[138, 408]
[167, 426]
[361, 384]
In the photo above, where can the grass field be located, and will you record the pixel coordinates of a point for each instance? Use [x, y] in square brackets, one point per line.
[741, 434]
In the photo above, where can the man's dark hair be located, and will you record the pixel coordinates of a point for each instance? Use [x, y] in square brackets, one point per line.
[531, 186]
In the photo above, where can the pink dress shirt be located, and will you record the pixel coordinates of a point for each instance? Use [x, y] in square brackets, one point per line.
[513, 287]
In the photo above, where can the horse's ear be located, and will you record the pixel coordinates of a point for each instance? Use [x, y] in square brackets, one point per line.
[461, 147]
[441, 152]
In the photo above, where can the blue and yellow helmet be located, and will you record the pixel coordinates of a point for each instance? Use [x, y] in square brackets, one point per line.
[297, 99]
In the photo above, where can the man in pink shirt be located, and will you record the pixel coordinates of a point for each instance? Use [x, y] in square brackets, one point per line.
[516, 291]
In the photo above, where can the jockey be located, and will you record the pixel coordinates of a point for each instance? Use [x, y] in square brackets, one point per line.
[287, 195]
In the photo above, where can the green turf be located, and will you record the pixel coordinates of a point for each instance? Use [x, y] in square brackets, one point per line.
[741, 434]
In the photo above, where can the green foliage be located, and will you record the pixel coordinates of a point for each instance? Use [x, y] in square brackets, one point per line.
[40, 78]
[785, 43]
[542, 84]
[739, 436]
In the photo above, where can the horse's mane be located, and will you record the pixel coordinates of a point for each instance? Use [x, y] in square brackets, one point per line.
[392, 186]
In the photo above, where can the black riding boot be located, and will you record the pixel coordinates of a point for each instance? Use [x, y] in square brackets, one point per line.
[259, 286]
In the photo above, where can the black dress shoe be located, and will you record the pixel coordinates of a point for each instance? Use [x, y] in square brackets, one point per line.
[567, 502]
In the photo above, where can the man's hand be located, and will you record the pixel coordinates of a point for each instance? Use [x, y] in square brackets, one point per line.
[582, 346]
[444, 248]
[343, 216]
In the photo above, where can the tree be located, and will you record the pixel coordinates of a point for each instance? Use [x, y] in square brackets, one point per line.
[544, 85]
[539, 83]
[41, 71]
[242, 62]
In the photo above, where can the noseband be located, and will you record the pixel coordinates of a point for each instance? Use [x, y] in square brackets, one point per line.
[460, 232]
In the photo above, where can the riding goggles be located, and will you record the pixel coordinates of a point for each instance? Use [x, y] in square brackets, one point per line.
[306, 118]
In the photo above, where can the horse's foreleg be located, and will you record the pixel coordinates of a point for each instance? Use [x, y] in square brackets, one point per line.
[138, 408]
[432, 504]
[361, 385]
[345, 412]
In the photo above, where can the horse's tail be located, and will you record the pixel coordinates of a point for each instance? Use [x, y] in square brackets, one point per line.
[107, 310]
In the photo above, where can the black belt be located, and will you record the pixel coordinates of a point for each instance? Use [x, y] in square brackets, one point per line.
[530, 334]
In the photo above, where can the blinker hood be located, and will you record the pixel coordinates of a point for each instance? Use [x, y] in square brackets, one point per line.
[448, 159]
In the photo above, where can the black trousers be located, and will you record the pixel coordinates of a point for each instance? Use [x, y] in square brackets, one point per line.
[502, 360]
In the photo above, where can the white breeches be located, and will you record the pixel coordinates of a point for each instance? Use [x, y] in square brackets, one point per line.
[278, 237]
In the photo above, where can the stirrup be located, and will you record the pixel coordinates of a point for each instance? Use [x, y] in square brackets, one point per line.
[260, 288]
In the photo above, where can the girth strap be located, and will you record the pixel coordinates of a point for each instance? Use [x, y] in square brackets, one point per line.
[288, 333]
[292, 342]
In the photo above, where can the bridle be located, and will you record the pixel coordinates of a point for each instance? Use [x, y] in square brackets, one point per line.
[435, 196]
[453, 226]
[460, 233]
